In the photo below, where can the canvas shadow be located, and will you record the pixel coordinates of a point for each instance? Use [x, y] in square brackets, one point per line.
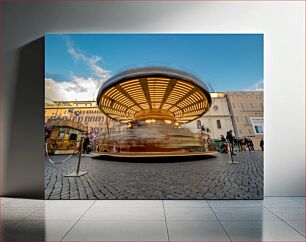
[24, 169]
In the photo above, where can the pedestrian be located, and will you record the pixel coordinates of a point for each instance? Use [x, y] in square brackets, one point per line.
[230, 139]
[223, 148]
[262, 144]
[85, 145]
[239, 144]
[243, 144]
[249, 144]
[223, 138]
[236, 144]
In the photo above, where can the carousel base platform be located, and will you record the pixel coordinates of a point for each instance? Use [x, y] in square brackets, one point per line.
[153, 156]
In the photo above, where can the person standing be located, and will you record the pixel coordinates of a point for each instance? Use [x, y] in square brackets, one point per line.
[230, 138]
[223, 148]
[222, 138]
[243, 144]
[262, 145]
[85, 145]
[249, 145]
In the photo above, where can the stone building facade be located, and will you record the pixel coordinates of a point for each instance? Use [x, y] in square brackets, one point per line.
[86, 112]
[217, 121]
[247, 111]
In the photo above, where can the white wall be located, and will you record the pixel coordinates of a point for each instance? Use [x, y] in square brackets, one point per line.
[282, 23]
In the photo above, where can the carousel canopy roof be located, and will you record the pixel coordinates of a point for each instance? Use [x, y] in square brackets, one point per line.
[143, 90]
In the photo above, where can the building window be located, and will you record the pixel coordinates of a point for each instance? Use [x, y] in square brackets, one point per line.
[252, 106]
[242, 106]
[250, 131]
[218, 124]
[246, 119]
[240, 131]
[237, 119]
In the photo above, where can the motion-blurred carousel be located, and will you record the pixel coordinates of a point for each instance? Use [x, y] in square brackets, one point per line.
[153, 103]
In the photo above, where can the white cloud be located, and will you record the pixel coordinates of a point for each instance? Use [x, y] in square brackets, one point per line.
[91, 61]
[257, 86]
[78, 88]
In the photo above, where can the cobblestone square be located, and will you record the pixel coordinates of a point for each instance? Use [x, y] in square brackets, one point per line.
[210, 178]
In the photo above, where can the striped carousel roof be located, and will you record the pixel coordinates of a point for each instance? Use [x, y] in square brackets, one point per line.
[160, 90]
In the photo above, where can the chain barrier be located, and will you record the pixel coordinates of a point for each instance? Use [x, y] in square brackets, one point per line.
[53, 162]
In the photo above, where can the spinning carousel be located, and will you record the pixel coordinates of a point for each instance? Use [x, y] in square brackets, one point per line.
[154, 102]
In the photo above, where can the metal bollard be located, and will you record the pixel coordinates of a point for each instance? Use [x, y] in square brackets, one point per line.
[78, 173]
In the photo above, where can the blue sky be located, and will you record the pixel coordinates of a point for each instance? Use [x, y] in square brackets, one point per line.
[78, 63]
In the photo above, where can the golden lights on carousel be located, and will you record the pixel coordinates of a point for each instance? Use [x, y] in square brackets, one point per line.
[150, 121]
[183, 99]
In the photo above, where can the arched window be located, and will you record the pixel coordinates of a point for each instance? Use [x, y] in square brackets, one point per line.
[218, 124]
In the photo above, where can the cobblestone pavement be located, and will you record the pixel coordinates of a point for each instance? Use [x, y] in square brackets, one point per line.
[211, 178]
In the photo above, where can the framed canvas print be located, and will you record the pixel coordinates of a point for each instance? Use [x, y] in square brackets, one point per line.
[154, 116]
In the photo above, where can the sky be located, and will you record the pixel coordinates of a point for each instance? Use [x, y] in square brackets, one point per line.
[76, 65]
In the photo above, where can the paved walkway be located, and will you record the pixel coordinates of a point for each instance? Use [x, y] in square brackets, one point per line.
[211, 178]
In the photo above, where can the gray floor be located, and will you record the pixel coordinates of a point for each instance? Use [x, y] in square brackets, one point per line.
[274, 219]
